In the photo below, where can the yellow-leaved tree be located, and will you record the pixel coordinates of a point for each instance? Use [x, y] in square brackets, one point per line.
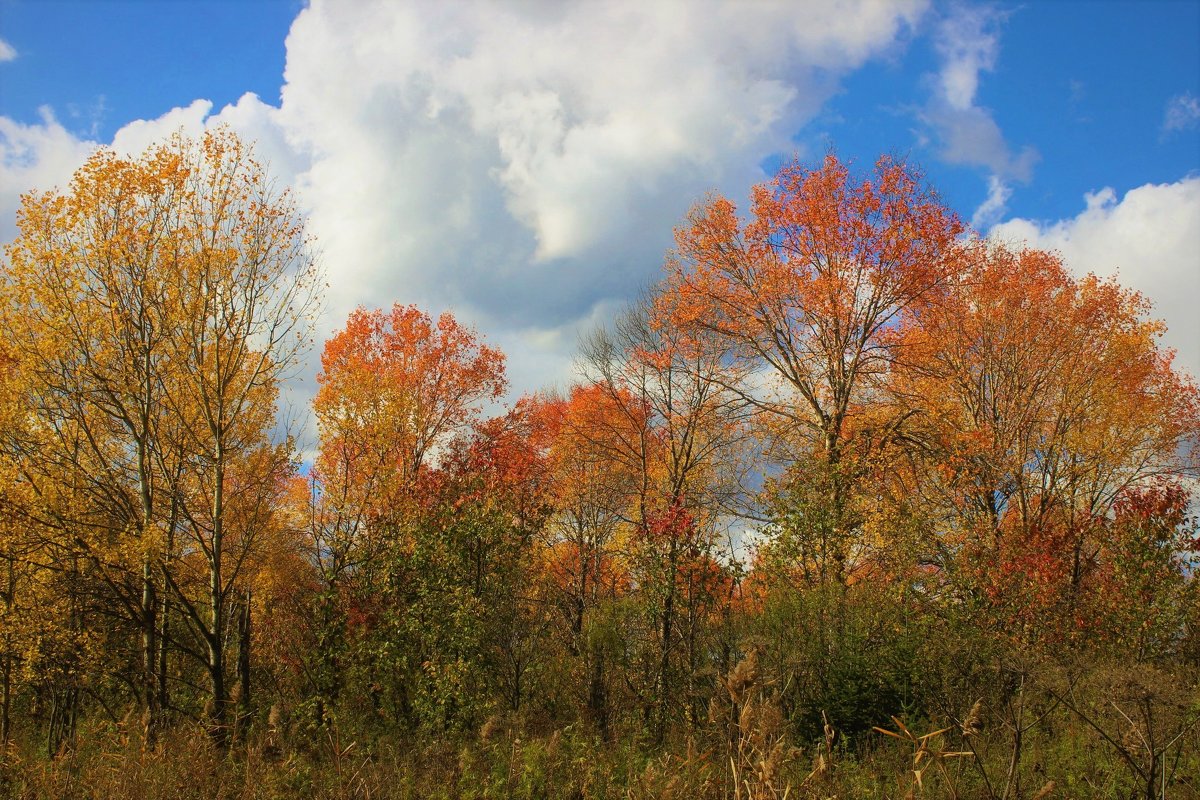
[151, 309]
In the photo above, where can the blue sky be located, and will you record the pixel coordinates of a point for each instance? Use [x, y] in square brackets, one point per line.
[102, 63]
[522, 165]
[1085, 84]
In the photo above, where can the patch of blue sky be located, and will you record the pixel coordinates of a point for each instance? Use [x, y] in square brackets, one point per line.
[1089, 84]
[98, 64]
[1015, 111]
[1085, 86]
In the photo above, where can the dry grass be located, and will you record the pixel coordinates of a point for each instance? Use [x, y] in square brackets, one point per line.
[746, 751]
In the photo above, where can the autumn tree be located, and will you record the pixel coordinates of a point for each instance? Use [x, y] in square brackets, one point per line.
[669, 419]
[248, 288]
[582, 565]
[804, 295]
[155, 305]
[1040, 405]
[394, 387]
[89, 278]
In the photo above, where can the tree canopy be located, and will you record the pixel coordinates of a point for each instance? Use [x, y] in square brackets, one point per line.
[847, 468]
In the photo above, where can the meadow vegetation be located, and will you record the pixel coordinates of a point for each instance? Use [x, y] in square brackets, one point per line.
[853, 503]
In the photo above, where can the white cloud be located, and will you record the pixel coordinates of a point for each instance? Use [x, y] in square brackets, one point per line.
[135, 137]
[1182, 114]
[992, 209]
[41, 156]
[7, 51]
[967, 46]
[523, 165]
[494, 148]
[1148, 240]
[966, 133]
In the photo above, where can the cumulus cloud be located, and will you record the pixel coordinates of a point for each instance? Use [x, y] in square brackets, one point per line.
[966, 133]
[488, 149]
[7, 51]
[1147, 240]
[40, 155]
[1182, 114]
[521, 164]
[524, 165]
[135, 137]
[992, 209]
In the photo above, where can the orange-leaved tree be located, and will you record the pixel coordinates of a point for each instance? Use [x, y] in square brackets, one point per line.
[395, 386]
[1039, 400]
[805, 295]
[664, 413]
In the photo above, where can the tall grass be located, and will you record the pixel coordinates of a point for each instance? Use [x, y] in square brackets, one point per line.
[1079, 747]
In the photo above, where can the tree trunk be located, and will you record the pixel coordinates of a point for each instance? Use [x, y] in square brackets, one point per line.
[598, 695]
[668, 625]
[218, 698]
[149, 612]
[164, 697]
[6, 707]
[243, 665]
[5, 730]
